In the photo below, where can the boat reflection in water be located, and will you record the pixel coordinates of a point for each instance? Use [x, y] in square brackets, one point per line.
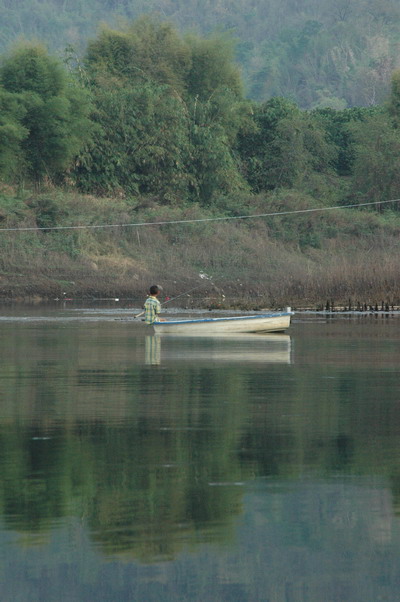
[152, 350]
[211, 349]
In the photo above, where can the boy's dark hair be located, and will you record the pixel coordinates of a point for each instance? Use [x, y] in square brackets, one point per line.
[154, 289]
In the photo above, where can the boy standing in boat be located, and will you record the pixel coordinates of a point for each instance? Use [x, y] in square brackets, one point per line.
[152, 306]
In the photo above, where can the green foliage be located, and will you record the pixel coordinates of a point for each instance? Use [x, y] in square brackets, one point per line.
[157, 132]
[167, 118]
[145, 51]
[30, 68]
[319, 54]
[215, 125]
[377, 156]
[394, 99]
[256, 148]
[54, 112]
[48, 212]
[212, 67]
[12, 208]
[12, 133]
[140, 143]
[285, 148]
[336, 125]
[323, 56]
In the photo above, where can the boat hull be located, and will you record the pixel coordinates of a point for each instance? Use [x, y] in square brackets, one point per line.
[276, 322]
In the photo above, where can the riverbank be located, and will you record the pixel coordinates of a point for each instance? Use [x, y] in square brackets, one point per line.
[62, 245]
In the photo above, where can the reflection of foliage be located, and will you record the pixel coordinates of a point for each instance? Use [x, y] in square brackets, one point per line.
[145, 490]
[161, 498]
[153, 460]
[41, 477]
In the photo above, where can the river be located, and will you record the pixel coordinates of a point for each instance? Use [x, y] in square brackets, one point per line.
[253, 468]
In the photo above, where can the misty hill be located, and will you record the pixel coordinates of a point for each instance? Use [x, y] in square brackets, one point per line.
[316, 52]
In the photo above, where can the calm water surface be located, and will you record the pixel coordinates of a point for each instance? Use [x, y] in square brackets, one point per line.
[254, 468]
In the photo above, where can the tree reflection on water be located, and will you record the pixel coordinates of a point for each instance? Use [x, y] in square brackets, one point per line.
[151, 459]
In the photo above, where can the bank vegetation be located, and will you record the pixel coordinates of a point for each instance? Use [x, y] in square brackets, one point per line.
[150, 126]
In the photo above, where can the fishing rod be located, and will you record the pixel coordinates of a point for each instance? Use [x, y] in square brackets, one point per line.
[202, 275]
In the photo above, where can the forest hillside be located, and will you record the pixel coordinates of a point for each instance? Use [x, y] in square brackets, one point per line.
[318, 53]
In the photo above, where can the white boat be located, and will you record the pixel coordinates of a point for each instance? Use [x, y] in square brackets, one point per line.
[274, 322]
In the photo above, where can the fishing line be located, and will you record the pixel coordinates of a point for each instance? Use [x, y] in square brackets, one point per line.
[185, 293]
[199, 220]
[202, 275]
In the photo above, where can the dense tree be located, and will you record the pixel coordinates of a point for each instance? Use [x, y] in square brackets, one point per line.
[140, 143]
[141, 140]
[376, 165]
[12, 133]
[169, 119]
[394, 99]
[257, 150]
[317, 53]
[168, 111]
[214, 165]
[286, 146]
[55, 110]
[218, 113]
[144, 51]
[336, 125]
[212, 67]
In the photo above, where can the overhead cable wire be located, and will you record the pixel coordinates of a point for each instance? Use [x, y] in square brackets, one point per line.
[199, 220]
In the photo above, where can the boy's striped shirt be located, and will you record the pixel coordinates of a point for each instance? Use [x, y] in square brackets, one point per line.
[152, 307]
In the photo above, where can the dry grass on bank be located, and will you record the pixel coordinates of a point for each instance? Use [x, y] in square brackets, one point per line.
[299, 261]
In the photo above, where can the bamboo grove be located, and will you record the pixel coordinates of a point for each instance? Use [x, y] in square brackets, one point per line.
[147, 111]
